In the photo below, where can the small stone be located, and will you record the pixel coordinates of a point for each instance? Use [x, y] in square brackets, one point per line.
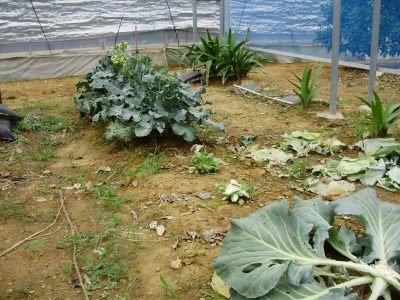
[149, 203]
[160, 230]
[241, 202]
[46, 172]
[176, 264]
[134, 183]
[53, 186]
[364, 108]
[153, 225]
[174, 246]
[134, 215]
[204, 195]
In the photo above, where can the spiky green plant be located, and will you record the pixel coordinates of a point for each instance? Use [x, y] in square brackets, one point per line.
[382, 117]
[222, 58]
[307, 86]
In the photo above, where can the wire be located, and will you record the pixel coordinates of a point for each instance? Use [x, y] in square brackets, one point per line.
[241, 15]
[172, 19]
[41, 27]
[119, 27]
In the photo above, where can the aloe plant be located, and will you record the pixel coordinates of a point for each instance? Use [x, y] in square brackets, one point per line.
[278, 253]
[221, 57]
[382, 117]
[307, 86]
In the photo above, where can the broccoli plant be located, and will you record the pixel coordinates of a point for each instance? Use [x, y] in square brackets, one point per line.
[133, 100]
[278, 253]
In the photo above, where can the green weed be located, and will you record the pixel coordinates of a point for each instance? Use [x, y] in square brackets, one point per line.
[150, 165]
[168, 291]
[39, 106]
[45, 149]
[13, 210]
[297, 168]
[205, 162]
[50, 123]
[108, 197]
[104, 271]
[35, 245]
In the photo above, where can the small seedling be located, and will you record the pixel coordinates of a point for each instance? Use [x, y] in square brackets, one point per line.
[34, 245]
[307, 86]
[382, 117]
[206, 162]
[235, 191]
[297, 168]
[150, 165]
[168, 291]
[108, 197]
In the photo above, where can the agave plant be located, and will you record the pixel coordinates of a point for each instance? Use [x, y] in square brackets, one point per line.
[224, 58]
[307, 86]
[382, 118]
[278, 253]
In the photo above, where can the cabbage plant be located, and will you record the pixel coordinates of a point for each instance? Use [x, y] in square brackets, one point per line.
[278, 253]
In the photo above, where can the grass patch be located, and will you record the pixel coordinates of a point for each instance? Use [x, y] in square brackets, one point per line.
[12, 210]
[150, 165]
[50, 123]
[108, 197]
[46, 148]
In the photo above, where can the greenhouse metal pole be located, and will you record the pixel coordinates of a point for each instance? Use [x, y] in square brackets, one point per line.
[222, 16]
[195, 32]
[227, 14]
[374, 48]
[335, 56]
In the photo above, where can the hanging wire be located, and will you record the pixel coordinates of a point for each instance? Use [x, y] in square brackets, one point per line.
[119, 27]
[241, 15]
[41, 27]
[172, 20]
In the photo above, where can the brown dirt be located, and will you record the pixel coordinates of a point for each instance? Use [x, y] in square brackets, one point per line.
[42, 273]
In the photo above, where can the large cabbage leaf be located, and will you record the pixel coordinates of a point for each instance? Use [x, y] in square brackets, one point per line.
[278, 253]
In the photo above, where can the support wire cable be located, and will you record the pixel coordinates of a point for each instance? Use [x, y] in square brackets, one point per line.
[172, 20]
[119, 27]
[241, 15]
[41, 27]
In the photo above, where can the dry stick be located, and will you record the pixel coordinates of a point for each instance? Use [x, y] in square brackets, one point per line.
[73, 231]
[36, 233]
[265, 96]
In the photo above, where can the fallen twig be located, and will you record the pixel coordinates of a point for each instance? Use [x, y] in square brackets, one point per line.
[73, 231]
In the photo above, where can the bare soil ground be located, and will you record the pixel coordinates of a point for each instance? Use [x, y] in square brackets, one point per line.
[119, 255]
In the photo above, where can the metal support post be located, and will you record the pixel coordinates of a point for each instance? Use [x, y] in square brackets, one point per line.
[335, 56]
[227, 17]
[195, 32]
[374, 48]
[221, 16]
